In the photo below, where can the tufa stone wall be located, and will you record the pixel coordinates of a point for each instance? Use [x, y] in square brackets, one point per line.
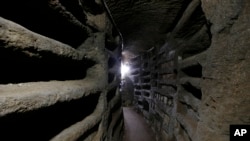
[197, 84]
[58, 76]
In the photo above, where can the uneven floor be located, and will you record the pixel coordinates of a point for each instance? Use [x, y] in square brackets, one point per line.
[136, 128]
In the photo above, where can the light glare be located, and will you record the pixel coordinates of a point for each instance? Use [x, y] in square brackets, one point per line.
[124, 70]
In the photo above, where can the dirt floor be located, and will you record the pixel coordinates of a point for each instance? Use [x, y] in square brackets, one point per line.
[136, 128]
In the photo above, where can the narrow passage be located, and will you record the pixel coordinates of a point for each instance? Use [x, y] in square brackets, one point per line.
[136, 128]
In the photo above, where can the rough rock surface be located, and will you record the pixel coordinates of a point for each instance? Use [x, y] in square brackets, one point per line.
[227, 71]
[56, 72]
[144, 23]
[190, 78]
[199, 78]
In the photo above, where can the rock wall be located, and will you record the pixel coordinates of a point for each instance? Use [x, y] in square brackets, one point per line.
[197, 84]
[226, 84]
[59, 71]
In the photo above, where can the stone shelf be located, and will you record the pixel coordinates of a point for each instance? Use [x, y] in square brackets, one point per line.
[135, 71]
[139, 97]
[140, 106]
[163, 107]
[166, 71]
[167, 82]
[24, 97]
[187, 121]
[83, 126]
[193, 60]
[187, 87]
[65, 23]
[188, 99]
[146, 93]
[114, 101]
[186, 16]
[146, 86]
[145, 72]
[58, 72]
[117, 132]
[163, 91]
[195, 82]
[112, 90]
[116, 116]
[33, 44]
[148, 99]
[145, 90]
[146, 76]
[30, 52]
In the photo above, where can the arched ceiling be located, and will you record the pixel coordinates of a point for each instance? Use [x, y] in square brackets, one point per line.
[145, 23]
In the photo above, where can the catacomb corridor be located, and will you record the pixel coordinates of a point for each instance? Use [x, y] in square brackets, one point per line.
[187, 69]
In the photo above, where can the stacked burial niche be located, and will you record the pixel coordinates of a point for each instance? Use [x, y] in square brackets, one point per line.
[59, 62]
[168, 81]
[199, 78]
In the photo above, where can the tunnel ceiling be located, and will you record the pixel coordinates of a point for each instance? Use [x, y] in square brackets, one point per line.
[145, 23]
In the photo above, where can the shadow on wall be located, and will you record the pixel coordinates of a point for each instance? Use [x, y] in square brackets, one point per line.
[46, 20]
[23, 68]
[44, 123]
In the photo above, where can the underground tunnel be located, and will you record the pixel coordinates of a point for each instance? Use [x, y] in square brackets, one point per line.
[80, 70]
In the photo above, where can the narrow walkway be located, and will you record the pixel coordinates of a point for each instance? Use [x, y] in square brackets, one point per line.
[136, 128]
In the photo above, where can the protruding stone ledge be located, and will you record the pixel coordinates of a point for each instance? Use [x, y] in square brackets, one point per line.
[167, 109]
[168, 91]
[135, 71]
[77, 130]
[115, 100]
[188, 122]
[116, 116]
[187, 14]
[168, 82]
[56, 5]
[25, 97]
[188, 99]
[194, 60]
[195, 82]
[18, 38]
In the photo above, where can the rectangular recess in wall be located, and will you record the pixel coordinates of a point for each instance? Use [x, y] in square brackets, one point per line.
[145, 105]
[146, 86]
[137, 86]
[137, 93]
[194, 70]
[18, 67]
[146, 93]
[30, 125]
[193, 90]
[145, 73]
[145, 80]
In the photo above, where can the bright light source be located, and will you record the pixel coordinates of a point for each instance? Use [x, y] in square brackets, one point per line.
[124, 70]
